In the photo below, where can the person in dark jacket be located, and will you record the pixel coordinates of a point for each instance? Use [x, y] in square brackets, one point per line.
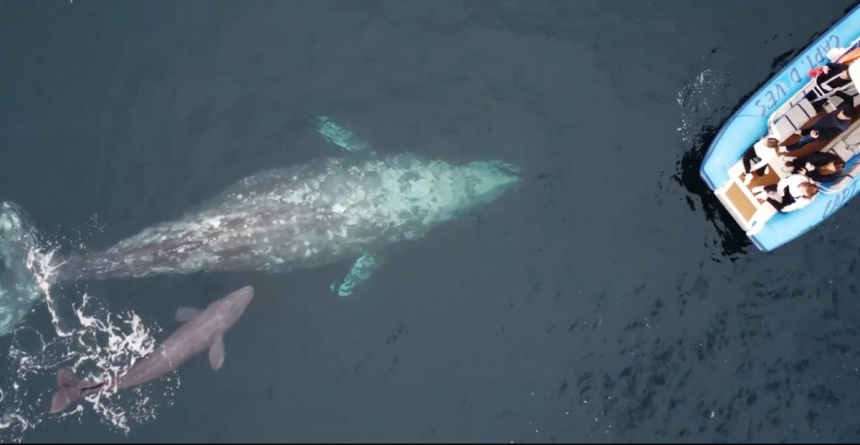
[757, 157]
[821, 167]
[792, 193]
[838, 72]
[827, 127]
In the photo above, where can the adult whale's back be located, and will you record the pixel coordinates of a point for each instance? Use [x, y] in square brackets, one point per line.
[304, 216]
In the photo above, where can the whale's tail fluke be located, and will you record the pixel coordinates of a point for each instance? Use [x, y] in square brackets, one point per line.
[19, 289]
[70, 389]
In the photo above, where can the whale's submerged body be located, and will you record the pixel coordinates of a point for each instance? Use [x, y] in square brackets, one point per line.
[277, 220]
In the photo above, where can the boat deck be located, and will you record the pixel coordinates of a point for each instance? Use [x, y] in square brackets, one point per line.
[740, 196]
[808, 149]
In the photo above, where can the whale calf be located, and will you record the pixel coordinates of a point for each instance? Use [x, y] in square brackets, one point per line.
[330, 209]
[200, 330]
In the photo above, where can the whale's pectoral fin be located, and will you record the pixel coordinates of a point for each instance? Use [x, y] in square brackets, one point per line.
[184, 314]
[338, 135]
[362, 270]
[216, 352]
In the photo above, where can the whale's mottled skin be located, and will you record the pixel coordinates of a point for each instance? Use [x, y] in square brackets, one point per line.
[19, 290]
[304, 216]
[278, 220]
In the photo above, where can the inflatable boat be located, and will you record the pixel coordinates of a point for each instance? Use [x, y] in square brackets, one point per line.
[781, 109]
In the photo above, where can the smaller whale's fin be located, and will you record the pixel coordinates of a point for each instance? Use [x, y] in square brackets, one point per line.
[361, 271]
[184, 314]
[338, 135]
[66, 378]
[216, 352]
[64, 397]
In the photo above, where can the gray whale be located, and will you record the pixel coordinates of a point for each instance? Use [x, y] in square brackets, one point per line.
[278, 220]
[200, 330]
[303, 216]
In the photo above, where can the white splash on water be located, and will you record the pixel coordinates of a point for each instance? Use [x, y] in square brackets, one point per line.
[94, 343]
[702, 103]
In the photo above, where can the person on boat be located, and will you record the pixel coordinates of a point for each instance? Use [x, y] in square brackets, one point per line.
[792, 193]
[758, 156]
[832, 76]
[828, 127]
[821, 167]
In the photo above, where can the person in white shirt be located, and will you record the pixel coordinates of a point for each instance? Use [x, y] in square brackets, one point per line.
[758, 156]
[792, 193]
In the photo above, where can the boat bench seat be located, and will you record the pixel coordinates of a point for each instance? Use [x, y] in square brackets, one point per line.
[832, 102]
[793, 119]
[847, 147]
[841, 149]
[853, 138]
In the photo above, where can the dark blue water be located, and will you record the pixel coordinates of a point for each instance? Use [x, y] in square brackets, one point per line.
[607, 300]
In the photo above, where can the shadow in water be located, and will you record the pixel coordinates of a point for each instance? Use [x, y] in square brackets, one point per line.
[733, 241]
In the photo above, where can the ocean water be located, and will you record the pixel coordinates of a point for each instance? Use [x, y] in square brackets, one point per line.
[608, 299]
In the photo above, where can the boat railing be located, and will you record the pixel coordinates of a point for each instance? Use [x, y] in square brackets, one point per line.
[824, 95]
[849, 88]
[812, 85]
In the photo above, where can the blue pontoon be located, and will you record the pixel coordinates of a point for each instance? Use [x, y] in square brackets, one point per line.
[779, 109]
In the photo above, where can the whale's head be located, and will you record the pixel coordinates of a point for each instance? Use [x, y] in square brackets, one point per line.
[231, 307]
[417, 193]
[485, 181]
